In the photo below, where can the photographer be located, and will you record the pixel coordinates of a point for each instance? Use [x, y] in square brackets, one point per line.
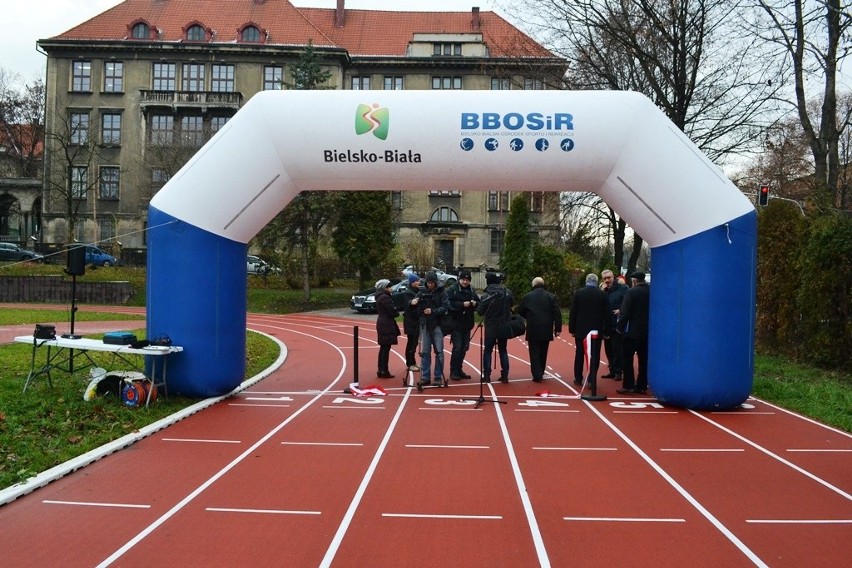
[463, 302]
[432, 303]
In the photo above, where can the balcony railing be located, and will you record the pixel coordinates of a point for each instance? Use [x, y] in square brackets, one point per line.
[190, 99]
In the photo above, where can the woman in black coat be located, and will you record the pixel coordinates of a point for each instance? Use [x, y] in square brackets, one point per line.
[387, 329]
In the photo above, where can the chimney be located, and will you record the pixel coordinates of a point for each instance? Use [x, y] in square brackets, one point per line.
[339, 13]
[475, 21]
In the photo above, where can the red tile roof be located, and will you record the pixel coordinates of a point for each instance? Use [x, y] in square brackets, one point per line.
[364, 33]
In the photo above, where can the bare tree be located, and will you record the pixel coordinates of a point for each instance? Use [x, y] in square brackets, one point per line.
[21, 125]
[810, 37]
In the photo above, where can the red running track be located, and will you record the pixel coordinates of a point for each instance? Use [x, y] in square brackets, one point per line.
[293, 472]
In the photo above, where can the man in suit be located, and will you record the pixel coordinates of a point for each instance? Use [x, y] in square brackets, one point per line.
[615, 291]
[633, 324]
[544, 321]
[589, 312]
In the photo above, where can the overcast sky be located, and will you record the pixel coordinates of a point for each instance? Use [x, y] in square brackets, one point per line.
[23, 22]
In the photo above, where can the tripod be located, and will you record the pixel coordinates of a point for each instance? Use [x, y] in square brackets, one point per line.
[481, 328]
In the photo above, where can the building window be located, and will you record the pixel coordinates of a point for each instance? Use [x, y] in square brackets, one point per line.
[159, 178]
[81, 76]
[446, 82]
[501, 83]
[497, 241]
[140, 31]
[217, 122]
[447, 49]
[192, 130]
[250, 34]
[162, 130]
[107, 229]
[79, 128]
[196, 33]
[533, 84]
[537, 201]
[113, 77]
[396, 200]
[393, 83]
[444, 215]
[111, 128]
[360, 83]
[110, 176]
[273, 78]
[79, 182]
[222, 78]
[498, 200]
[446, 193]
[164, 77]
[192, 78]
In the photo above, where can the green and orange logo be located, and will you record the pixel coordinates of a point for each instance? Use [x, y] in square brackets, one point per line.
[373, 119]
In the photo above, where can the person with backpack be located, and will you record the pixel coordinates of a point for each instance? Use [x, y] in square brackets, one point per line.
[432, 304]
[463, 300]
[544, 321]
[495, 307]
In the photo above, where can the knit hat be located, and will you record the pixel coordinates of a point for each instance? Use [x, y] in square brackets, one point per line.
[432, 276]
[413, 277]
[464, 274]
[382, 284]
[492, 278]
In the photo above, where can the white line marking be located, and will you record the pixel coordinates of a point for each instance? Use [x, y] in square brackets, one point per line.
[341, 407]
[577, 449]
[680, 489]
[805, 418]
[801, 521]
[264, 511]
[543, 410]
[447, 447]
[269, 399]
[815, 450]
[643, 412]
[201, 440]
[322, 444]
[742, 412]
[362, 488]
[424, 516]
[466, 409]
[90, 504]
[702, 449]
[260, 405]
[624, 519]
[776, 456]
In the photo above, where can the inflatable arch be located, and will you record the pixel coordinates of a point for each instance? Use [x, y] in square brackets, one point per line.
[701, 229]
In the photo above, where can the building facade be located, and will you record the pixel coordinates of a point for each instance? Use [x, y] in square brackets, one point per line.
[135, 91]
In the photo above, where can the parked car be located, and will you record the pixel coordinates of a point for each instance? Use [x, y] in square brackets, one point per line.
[98, 257]
[256, 265]
[365, 300]
[10, 251]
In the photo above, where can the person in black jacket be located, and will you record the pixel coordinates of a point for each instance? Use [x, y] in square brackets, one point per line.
[615, 291]
[411, 322]
[544, 322]
[589, 312]
[432, 303]
[633, 323]
[387, 329]
[495, 307]
[463, 301]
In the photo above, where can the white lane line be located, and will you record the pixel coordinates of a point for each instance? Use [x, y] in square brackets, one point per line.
[816, 450]
[743, 412]
[201, 440]
[219, 474]
[260, 405]
[322, 444]
[624, 519]
[544, 410]
[801, 521]
[680, 489]
[447, 447]
[644, 412]
[92, 504]
[805, 418]
[535, 531]
[776, 456]
[446, 408]
[425, 516]
[576, 449]
[340, 407]
[702, 449]
[261, 511]
[269, 399]
[362, 488]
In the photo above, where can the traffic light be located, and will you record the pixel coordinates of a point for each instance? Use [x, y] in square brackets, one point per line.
[763, 195]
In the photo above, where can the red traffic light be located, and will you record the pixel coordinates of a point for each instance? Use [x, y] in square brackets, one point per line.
[763, 195]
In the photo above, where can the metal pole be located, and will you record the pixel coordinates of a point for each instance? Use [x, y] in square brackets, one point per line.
[355, 354]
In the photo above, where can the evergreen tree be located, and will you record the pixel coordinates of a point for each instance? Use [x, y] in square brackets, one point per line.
[364, 234]
[516, 257]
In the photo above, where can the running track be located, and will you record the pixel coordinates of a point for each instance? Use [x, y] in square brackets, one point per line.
[293, 472]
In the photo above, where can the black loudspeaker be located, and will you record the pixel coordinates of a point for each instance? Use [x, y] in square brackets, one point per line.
[76, 261]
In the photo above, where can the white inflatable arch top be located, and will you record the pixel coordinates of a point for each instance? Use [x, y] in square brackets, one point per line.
[701, 229]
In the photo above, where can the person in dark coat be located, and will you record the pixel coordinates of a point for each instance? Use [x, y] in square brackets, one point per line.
[589, 312]
[633, 324]
[411, 322]
[495, 307]
[544, 322]
[463, 300]
[615, 291]
[386, 326]
[432, 303]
